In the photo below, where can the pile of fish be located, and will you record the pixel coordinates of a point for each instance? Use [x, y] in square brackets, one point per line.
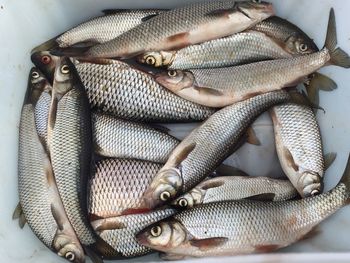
[98, 174]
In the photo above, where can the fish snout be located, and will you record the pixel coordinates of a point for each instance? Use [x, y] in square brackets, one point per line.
[311, 183]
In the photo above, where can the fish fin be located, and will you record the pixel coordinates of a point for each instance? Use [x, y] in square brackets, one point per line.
[208, 243]
[209, 184]
[252, 138]
[262, 197]
[18, 211]
[346, 177]
[181, 40]
[329, 159]
[266, 248]
[311, 234]
[92, 255]
[290, 160]
[303, 99]
[135, 211]
[185, 152]
[209, 91]
[160, 128]
[222, 12]
[146, 18]
[170, 257]
[319, 82]
[114, 11]
[338, 56]
[22, 221]
[48, 45]
[227, 170]
[109, 224]
[94, 217]
[57, 218]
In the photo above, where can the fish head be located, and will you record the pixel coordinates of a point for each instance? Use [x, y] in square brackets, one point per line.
[46, 62]
[297, 44]
[175, 80]
[64, 76]
[37, 83]
[189, 200]
[256, 9]
[156, 59]
[164, 187]
[311, 183]
[69, 249]
[165, 236]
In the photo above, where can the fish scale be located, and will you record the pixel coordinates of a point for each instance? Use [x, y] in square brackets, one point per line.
[118, 185]
[127, 93]
[41, 110]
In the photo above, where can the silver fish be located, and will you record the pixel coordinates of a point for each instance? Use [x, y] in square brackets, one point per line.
[70, 148]
[236, 188]
[224, 86]
[206, 147]
[118, 185]
[38, 193]
[238, 49]
[119, 138]
[184, 26]
[119, 232]
[243, 227]
[118, 89]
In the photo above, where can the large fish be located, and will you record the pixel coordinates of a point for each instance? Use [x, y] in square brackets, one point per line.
[38, 193]
[70, 148]
[243, 227]
[236, 188]
[184, 26]
[119, 138]
[238, 49]
[206, 147]
[100, 29]
[119, 232]
[224, 86]
[125, 92]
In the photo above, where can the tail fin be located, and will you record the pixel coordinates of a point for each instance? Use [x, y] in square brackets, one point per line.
[346, 176]
[338, 56]
[319, 82]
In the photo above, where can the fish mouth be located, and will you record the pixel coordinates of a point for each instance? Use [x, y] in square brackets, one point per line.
[142, 239]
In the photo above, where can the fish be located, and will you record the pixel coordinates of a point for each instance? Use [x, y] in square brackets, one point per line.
[184, 26]
[221, 87]
[100, 29]
[39, 198]
[207, 146]
[238, 49]
[119, 138]
[119, 232]
[244, 226]
[71, 149]
[117, 187]
[299, 146]
[236, 188]
[116, 88]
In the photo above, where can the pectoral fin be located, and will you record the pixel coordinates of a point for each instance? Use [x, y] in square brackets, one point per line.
[208, 243]
[214, 183]
[184, 153]
[262, 197]
[57, 217]
[329, 159]
[290, 160]
[209, 91]
[252, 138]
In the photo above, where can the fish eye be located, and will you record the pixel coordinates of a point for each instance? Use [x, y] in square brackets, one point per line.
[35, 75]
[150, 60]
[70, 256]
[156, 231]
[46, 59]
[183, 202]
[165, 196]
[303, 47]
[65, 69]
[172, 73]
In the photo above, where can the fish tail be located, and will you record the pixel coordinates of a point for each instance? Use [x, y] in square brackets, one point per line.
[346, 179]
[46, 46]
[338, 56]
[319, 82]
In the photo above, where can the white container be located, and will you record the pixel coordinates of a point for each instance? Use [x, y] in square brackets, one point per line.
[26, 23]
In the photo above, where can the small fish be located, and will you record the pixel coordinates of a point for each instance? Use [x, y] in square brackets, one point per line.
[119, 232]
[119, 138]
[100, 29]
[70, 148]
[243, 227]
[224, 86]
[184, 26]
[39, 198]
[207, 146]
[118, 89]
[235, 188]
[238, 49]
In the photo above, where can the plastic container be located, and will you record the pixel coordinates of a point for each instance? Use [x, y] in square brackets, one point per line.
[26, 23]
